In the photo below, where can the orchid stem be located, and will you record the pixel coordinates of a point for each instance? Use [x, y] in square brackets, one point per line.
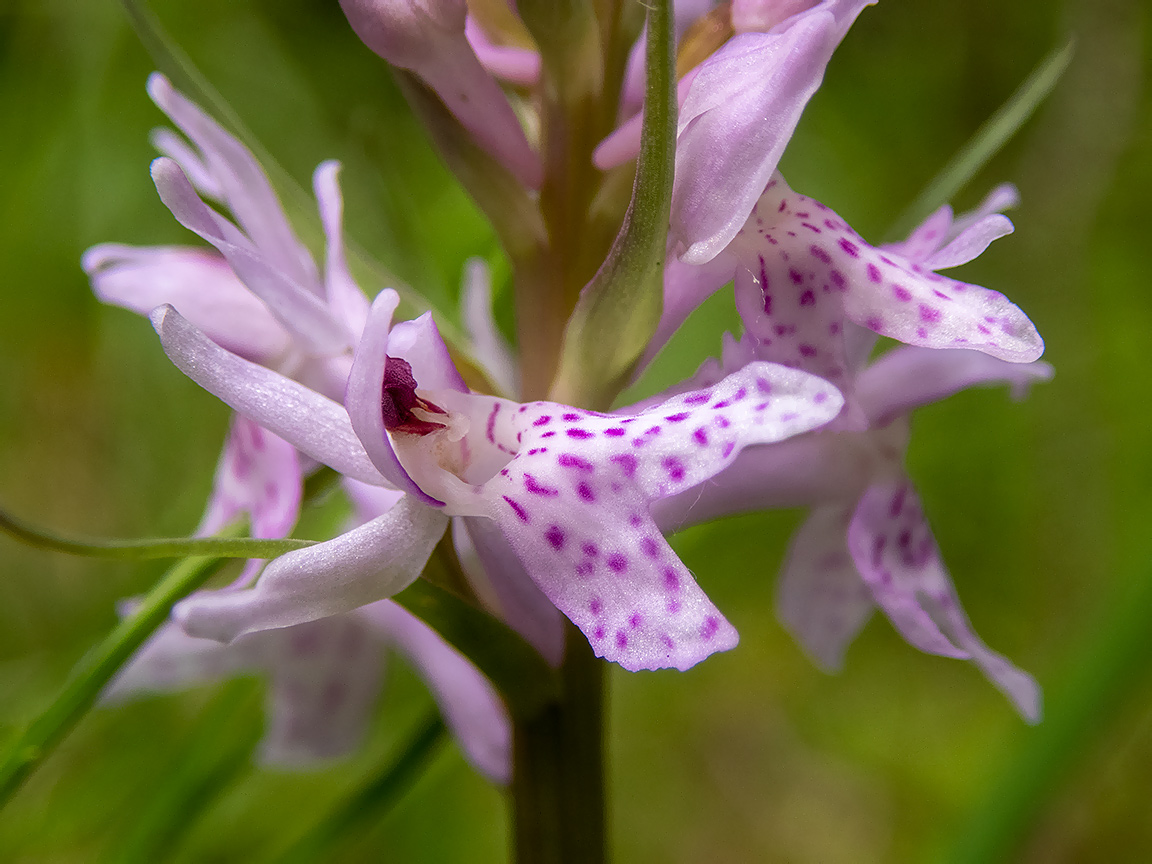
[558, 768]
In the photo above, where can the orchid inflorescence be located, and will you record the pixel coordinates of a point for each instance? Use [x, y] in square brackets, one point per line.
[551, 501]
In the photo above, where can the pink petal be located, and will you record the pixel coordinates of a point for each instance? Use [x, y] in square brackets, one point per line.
[806, 272]
[369, 563]
[896, 554]
[243, 183]
[297, 308]
[515, 65]
[365, 390]
[313, 423]
[197, 282]
[738, 117]
[821, 598]
[496, 574]
[574, 504]
[907, 378]
[344, 296]
[970, 242]
[258, 474]
[469, 703]
[488, 344]
[325, 679]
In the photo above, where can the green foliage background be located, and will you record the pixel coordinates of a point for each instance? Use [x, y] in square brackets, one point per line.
[1042, 509]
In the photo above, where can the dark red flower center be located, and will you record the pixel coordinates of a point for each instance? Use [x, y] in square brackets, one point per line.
[399, 399]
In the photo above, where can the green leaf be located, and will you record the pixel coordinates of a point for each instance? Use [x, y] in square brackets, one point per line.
[98, 667]
[619, 309]
[201, 770]
[371, 802]
[517, 670]
[996, 131]
[141, 550]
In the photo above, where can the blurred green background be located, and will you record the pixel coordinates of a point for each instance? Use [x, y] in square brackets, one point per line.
[1041, 509]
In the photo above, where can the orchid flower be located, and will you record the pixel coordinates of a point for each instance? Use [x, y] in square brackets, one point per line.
[568, 490]
[866, 541]
[429, 37]
[802, 275]
[324, 679]
[260, 295]
[259, 473]
[738, 110]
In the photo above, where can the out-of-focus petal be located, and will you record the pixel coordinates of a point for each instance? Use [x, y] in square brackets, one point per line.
[738, 117]
[821, 598]
[365, 391]
[324, 682]
[168, 143]
[970, 242]
[574, 504]
[368, 502]
[514, 65]
[297, 308]
[895, 552]
[243, 183]
[805, 471]
[171, 660]
[907, 378]
[313, 423]
[498, 575]
[369, 563]
[258, 474]
[345, 298]
[428, 37]
[488, 344]
[623, 144]
[197, 282]
[468, 702]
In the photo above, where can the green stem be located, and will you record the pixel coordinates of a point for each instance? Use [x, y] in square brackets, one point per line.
[142, 550]
[97, 668]
[219, 751]
[558, 768]
[371, 801]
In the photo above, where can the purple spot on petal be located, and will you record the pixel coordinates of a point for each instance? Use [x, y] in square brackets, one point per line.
[621, 639]
[676, 418]
[598, 633]
[902, 293]
[626, 461]
[764, 385]
[555, 536]
[820, 255]
[837, 279]
[596, 606]
[806, 350]
[674, 467]
[709, 628]
[585, 569]
[617, 562]
[671, 580]
[547, 434]
[537, 488]
[849, 248]
[898, 500]
[585, 492]
[698, 398]
[590, 549]
[516, 508]
[634, 620]
[667, 640]
[808, 298]
[567, 460]
[635, 520]
[570, 418]
[873, 322]
[649, 547]
[615, 432]
[796, 276]
[543, 420]
[728, 448]
[928, 314]
[873, 273]
[580, 434]
[700, 437]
